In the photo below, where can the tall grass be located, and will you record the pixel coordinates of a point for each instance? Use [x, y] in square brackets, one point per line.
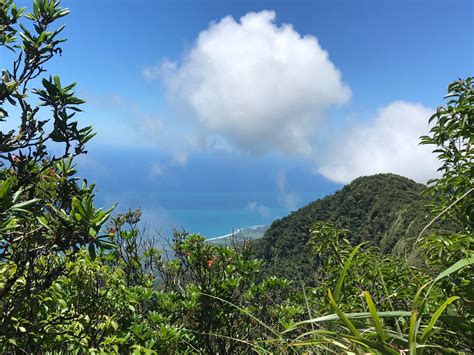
[341, 332]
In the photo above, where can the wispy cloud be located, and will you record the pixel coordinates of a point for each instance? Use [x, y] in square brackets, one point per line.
[153, 72]
[180, 159]
[286, 198]
[257, 207]
[126, 123]
[156, 169]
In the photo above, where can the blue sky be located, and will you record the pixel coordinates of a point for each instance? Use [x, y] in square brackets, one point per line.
[254, 118]
[397, 49]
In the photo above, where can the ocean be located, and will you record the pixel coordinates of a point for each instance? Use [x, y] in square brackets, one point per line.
[212, 194]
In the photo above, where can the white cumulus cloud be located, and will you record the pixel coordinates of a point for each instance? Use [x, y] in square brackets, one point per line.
[387, 144]
[262, 86]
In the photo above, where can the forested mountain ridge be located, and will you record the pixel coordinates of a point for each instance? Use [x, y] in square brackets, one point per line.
[386, 209]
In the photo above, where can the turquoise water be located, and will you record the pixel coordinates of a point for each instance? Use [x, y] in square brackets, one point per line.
[213, 194]
[214, 223]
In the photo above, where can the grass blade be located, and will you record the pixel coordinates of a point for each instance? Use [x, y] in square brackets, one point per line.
[450, 270]
[346, 267]
[373, 312]
[413, 332]
[249, 343]
[429, 328]
[455, 267]
[244, 311]
[359, 315]
[343, 317]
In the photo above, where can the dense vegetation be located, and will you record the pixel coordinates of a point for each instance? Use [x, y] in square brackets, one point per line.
[386, 209]
[75, 279]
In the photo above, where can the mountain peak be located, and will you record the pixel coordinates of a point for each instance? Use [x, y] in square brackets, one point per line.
[382, 208]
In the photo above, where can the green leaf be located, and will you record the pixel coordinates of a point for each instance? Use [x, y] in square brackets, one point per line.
[76, 204]
[92, 251]
[346, 267]
[358, 315]
[413, 326]
[5, 188]
[342, 316]
[450, 270]
[373, 311]
[106, 244]
[22, 205]
[455, 267]
[57, 81]
[429, 328]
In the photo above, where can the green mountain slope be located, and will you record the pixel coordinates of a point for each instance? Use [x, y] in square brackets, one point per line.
[387, 209]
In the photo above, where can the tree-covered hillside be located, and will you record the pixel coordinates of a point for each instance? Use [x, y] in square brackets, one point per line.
[386, 209]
